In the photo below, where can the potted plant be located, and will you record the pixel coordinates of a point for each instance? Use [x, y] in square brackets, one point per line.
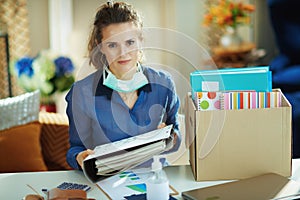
[48, 72]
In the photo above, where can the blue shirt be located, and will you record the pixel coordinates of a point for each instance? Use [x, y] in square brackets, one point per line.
[98, 115]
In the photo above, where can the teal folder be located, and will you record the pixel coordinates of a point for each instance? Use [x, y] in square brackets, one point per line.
[252, 78]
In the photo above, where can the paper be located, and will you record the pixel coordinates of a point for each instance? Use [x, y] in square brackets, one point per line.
[127, 183]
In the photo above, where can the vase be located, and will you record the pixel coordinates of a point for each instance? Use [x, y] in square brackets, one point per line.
[48, 107]
[230, 38]
[48, 104]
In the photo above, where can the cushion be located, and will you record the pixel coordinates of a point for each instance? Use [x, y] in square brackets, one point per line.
[55, 140]
[19, 110]
[284, 15]
[20, 149]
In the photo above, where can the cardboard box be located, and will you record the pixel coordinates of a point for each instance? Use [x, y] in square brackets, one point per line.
[238, 144]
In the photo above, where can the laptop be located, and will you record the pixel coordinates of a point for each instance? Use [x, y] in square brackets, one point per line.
[263, 187]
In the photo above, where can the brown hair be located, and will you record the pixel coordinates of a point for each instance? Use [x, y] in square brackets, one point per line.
[107, 14]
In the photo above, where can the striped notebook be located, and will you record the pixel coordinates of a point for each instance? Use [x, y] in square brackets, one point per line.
[249, 100]
[236, 100]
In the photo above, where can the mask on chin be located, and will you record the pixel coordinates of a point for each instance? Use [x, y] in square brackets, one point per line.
[138, 80]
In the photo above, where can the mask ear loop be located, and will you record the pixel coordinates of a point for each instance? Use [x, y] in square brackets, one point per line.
[139, 67]
[105, 68]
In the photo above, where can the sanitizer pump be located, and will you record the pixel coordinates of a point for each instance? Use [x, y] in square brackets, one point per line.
[158, 183]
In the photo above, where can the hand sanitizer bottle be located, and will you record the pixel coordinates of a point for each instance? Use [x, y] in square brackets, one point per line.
[158, 183]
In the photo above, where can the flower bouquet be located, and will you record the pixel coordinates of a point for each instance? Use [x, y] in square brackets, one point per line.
[228, 16]
[228, 13]
[46, 72]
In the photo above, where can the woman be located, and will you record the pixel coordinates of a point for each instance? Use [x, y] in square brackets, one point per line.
[122, 98]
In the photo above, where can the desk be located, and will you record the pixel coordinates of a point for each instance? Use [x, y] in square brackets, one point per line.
[13, 185]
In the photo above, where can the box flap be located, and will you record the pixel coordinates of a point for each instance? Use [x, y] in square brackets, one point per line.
[190, 128]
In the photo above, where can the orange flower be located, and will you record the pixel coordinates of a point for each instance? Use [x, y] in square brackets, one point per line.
[228, 13]
[248, 7]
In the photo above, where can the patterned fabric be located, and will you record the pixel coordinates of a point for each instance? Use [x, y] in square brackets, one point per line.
[19, 110]
[54, 140]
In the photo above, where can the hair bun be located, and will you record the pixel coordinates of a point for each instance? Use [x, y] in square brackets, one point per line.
[110, 3]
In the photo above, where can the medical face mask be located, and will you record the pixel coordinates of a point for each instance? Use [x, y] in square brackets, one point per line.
[138, 80]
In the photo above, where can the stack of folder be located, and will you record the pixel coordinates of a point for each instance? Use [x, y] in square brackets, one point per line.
[234, 88]
[112, 158]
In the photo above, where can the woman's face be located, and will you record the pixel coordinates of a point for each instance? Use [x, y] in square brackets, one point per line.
[120, 44]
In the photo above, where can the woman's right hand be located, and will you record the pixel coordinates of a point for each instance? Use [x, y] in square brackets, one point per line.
[82, 155]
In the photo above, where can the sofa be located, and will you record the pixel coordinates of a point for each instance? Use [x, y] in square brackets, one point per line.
[285, 19]
[35, 146]
[31, 140]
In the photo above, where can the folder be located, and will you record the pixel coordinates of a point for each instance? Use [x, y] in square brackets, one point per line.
[258, 79]
[208, 100]
[113, 158]
[249, 100]
[267, 186]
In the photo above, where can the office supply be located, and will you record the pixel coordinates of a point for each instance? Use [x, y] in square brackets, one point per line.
[73, 186]
[251, 78]
[238, 100]
[263, 187]
[113, 158]
[207, 100]
[237, 144]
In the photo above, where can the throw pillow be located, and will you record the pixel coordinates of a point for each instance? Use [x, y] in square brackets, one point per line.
[20, 149]
[19, 110]
[55, 140]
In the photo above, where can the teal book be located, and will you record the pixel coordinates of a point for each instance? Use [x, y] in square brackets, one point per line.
[257, 79]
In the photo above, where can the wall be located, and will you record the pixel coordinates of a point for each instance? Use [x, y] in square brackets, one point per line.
[263, 32]
[183, 16]
[179, 20]
[38, 25]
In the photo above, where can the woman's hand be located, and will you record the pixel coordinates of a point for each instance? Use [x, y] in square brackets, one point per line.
[82, 155]
[175, 137]
[173, 134]
[162, 125]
